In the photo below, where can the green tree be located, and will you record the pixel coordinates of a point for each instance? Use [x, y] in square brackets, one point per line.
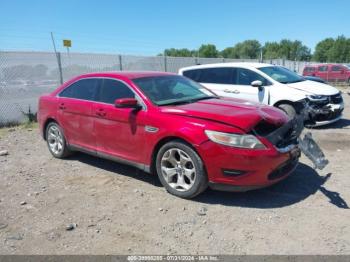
[229, 52]
[287, 49]
[322, 50]
[183, 52]
[208, 50]
[271, 50]
[299, 51]
[248, 49]
[340, 50]
[333, 50]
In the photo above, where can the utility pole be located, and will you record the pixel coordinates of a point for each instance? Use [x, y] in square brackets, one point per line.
[165, 62]
[53, 43]
[58, 57]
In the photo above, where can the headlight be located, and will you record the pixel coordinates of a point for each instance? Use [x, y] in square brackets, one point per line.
[235, 140]
[317, 98]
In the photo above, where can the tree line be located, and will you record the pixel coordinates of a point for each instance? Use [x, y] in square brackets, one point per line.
[328, 50]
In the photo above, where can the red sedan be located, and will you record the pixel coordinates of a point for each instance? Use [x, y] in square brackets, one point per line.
[167, 124]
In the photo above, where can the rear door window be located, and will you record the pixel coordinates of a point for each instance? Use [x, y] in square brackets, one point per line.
[323, 69]
[84, 89]
[113, 89]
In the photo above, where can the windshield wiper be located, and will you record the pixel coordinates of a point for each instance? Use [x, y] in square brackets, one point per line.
[188, 101]
[203, 98]
[291, 82]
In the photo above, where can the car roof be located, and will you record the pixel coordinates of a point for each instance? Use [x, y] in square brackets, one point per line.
[230, 64]
[325, 64]
[127, 74]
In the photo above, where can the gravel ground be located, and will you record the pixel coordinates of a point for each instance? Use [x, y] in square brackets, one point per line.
[115, 209]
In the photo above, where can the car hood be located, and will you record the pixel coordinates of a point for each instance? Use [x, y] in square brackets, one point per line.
[235, 112]
[314, 88]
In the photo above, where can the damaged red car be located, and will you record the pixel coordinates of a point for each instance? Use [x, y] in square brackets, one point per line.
[169, 125]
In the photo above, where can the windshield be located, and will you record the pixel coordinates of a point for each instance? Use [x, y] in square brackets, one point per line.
[348, 66]
[281, 74]
[172, 90]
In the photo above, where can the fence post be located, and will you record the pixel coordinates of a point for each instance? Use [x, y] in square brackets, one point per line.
[165, 64]
[120, 63]
[60, 67]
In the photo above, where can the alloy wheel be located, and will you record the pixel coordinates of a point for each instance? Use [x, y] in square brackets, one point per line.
[178, 169]
[55, 140]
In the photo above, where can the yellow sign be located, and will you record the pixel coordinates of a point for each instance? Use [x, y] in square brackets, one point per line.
[67, 43]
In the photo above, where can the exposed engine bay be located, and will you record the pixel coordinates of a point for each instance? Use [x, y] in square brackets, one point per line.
[289, 135]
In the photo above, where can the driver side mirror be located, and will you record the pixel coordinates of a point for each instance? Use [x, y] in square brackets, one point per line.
[127, 103]
[258, 84]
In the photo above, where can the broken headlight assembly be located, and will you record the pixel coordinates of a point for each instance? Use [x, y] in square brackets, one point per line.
[235, 140]
[317, 98]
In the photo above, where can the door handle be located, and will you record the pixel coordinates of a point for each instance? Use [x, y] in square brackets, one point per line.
[101, 112]
[232, 91]
[61, 106]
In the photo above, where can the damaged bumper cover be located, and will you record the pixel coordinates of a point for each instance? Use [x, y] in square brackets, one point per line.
[324, 111]
[287, 137]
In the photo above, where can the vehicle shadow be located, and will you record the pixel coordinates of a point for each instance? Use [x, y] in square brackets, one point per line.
[341, 123]
[116, 168]
[304, 182]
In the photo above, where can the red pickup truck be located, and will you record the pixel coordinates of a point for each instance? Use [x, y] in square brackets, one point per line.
[329, 72]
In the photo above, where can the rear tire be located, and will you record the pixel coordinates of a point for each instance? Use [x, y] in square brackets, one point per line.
[181, 170]
[349, 81]
[56, 141]
[288, 109]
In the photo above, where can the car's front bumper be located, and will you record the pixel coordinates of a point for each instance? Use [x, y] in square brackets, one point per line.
[325, 113]
[327, 122]
[282, 172]
[233, 169]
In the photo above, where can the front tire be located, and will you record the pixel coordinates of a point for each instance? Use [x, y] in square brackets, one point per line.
[56, 141]
[288, 109]
[181, 170]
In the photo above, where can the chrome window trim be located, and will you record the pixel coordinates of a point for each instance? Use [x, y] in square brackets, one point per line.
[137, 97]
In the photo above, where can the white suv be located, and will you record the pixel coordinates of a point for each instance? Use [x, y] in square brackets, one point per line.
[271, 85]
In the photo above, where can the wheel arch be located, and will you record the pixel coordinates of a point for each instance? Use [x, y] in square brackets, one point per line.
[297, 105]
[46, 123]
[162, 142]
[281, 102]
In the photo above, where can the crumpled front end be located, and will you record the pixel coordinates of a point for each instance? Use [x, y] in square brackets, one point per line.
[325, 111]
[288, 136]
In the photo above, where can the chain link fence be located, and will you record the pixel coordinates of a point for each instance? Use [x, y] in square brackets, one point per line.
[24, 76]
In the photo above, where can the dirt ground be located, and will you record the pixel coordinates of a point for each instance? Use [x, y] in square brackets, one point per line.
[121, 210]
